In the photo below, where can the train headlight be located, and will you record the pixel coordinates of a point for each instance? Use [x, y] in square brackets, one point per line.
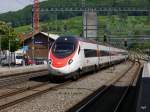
[70, 61]
[49, 61]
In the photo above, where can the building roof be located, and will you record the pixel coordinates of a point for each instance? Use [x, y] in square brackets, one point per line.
[29, 35]
[52, 36]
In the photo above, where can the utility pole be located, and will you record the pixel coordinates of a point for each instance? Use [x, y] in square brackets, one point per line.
[33, 38]
[9, 54]
[83, 24]
[35, 25]
[149, 12]
[48, 42]
[36, 16]
[9, 49]
[83, 3]
[0, 49]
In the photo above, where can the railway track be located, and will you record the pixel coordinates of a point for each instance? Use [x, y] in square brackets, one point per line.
[10, 79]
[123, 96]
[17, 96]
[34, 91]
[10, 75]
[23, 94]
[102, 97]
[18, 91]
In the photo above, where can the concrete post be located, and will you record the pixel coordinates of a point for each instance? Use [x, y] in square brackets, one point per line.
[90, 24]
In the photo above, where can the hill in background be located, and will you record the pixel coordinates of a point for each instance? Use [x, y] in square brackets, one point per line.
[24, 16]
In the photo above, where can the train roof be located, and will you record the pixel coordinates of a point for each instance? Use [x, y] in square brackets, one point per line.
[72, 38]
[79, 38]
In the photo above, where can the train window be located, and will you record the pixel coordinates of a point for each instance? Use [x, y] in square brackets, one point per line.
[104, 53]
[90, 53]
[19, 57]
[62, 50]
[124, 53]
[64, 47]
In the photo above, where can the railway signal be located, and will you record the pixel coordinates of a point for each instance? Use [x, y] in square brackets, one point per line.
[125, 43]
[105, 38]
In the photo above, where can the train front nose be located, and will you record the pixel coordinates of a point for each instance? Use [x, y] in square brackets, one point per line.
[61, 55]
[59, 71]
[59, 66]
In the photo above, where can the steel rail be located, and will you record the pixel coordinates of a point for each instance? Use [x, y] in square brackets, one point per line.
[22, 90]
[127, 89]
[37, 93]
[19, 74]
[102, 91]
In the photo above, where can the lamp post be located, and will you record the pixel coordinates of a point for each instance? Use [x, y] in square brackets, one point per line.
[9, 47]
[33, 32]
[33, 56]
[0, 50]
[9, 54]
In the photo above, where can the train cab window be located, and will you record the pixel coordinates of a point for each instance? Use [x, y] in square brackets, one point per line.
[79, 50]
[19, 57]
[62, 50]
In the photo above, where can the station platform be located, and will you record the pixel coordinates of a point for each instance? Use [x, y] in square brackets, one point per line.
[21, 69]
[144, 90]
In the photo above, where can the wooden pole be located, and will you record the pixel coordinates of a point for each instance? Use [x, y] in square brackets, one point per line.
[149, 13]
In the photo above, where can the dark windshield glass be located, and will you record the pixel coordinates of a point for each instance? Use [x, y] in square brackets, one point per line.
[19, 57]
[62, 50]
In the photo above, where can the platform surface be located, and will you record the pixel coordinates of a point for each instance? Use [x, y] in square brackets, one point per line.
[144, 91]
[146, 70]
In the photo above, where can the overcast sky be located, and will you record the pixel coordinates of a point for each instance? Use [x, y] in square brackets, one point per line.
[13, 5]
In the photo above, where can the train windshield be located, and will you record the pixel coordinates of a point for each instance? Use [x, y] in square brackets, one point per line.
[62, 50]
[19, 57]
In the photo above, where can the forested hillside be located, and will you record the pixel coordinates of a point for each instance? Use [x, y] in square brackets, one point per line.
[24, 16]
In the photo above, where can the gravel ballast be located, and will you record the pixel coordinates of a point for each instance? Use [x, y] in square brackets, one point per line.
[62, 99]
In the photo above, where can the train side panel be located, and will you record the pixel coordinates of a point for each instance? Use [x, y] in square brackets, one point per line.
[89, 56]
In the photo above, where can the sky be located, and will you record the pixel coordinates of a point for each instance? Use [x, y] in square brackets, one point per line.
[14, 5]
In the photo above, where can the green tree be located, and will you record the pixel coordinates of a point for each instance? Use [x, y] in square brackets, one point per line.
[8, 35]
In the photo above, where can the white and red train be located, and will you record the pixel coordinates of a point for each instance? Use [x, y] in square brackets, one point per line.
[70, 56]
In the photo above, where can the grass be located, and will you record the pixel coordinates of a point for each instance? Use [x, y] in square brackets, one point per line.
[23, 29]
[74, 26]
[115, 25]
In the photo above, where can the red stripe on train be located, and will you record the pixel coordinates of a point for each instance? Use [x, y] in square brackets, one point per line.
[60, 62]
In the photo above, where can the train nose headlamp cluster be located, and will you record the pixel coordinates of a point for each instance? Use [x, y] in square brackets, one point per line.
[70, 61]
[49, 61]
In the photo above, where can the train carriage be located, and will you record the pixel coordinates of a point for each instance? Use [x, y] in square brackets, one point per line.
[70, 56]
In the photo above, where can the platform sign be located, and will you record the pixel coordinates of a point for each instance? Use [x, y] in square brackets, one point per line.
[39, 42]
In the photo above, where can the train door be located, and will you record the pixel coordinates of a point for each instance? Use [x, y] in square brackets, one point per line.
[98, 54]
[81, 56]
